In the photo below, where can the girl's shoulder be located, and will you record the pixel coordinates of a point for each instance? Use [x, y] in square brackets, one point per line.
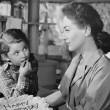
[32, 57]
[3, 70]
[34, 62]
[3, 67]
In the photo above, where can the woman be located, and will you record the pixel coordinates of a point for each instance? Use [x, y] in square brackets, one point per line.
[85, 85]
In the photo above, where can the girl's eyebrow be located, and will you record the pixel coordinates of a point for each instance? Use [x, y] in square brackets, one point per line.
[15, 50]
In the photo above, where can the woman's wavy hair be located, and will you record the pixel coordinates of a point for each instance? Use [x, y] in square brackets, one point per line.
[84, 14]
[10, 36]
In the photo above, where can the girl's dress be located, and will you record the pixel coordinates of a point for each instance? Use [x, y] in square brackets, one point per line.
[9, 84]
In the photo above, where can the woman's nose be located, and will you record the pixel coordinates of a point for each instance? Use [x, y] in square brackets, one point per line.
[64, 37]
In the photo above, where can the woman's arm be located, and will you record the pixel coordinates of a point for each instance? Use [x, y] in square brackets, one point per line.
[55, 99]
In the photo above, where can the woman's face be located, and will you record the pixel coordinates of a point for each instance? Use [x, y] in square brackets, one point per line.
[73, 35]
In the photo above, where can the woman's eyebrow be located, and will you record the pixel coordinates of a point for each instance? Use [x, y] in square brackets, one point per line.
[66, 27]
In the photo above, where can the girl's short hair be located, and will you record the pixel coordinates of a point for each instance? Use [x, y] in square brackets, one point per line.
[14, 35]
[84, 14]
[11, 36]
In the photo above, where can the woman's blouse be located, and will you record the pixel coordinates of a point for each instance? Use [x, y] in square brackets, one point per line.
[90, 86]
[9, 84]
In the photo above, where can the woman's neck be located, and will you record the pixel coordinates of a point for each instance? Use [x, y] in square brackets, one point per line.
[88, 46]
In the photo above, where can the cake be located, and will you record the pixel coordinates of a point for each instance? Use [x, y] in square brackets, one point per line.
[24, 102]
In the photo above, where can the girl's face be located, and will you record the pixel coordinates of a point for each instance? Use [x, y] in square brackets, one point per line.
[19, 52]
[74, 36]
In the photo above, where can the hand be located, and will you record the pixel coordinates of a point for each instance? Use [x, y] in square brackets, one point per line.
[25, 68]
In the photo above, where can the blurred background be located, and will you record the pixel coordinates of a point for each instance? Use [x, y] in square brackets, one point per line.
[41, 21]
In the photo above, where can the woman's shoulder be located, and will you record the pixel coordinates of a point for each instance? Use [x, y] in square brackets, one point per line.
[103, 64]
[105, 61]
[101, 68]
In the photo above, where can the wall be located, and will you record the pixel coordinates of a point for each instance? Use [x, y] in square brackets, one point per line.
[104, 11]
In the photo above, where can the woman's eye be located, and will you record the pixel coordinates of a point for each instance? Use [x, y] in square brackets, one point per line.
[66, 30]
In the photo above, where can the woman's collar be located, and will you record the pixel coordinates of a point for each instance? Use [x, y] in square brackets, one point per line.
[91, 57]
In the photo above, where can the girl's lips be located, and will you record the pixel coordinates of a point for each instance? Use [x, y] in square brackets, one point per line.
[24, 60]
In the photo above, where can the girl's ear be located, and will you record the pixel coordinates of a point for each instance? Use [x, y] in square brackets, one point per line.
[4, 57]
[87, 31]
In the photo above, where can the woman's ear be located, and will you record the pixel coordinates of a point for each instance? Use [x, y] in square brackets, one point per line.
[4, 57]
[87, 30]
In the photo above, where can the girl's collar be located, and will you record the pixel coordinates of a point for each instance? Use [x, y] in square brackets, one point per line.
[8, 65]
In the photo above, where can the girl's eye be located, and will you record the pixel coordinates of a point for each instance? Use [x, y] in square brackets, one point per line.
[25, 48]
[16, 53]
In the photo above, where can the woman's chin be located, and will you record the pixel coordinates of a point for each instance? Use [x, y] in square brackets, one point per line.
[71, 49]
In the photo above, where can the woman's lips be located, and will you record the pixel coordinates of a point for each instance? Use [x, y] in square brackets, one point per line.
[68, 43]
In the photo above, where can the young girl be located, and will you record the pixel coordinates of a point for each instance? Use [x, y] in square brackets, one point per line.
[86, 83]
[18, 67]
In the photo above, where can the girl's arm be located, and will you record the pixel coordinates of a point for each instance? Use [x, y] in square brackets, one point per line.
[26, 85]
[7, 85]
[4, 82]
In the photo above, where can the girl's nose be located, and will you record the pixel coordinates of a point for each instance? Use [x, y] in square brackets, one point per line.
[24, 54]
